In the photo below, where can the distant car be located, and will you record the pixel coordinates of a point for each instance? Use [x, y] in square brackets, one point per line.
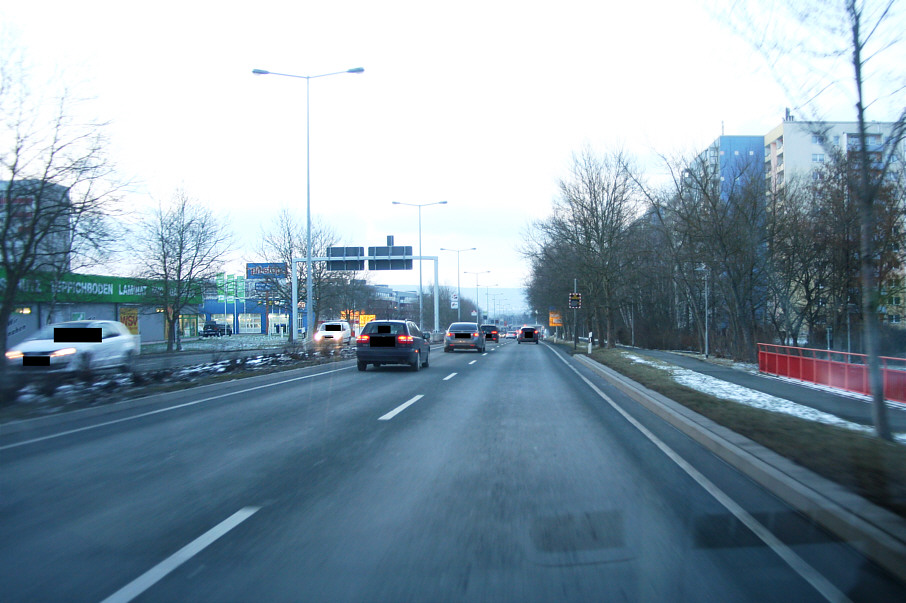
[78, 345]
[527, 335]
[334, 333]
[464, 336]
[511, 334]
[392, 342]
[212, 328]
[491, 332]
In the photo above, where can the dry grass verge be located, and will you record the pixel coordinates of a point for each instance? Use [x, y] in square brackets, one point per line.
[870, 467]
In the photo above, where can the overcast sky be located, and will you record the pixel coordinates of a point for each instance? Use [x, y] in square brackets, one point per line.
[480, 104]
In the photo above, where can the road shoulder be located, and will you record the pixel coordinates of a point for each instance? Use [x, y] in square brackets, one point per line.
[877, 533]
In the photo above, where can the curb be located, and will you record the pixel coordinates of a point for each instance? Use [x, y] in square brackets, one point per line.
[64, 416]
[875, 532]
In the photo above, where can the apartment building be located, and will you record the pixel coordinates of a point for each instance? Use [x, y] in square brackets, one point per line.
[803, 147]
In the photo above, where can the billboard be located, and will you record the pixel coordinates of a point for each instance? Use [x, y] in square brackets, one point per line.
[129, 317]
[265, 270]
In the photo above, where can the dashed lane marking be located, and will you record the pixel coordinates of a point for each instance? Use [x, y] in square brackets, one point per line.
[401, 408]
[160, 571]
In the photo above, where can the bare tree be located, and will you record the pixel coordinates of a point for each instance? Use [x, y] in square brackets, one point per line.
[597, 203]
[808, 42]
[183, 246]
[58, 189]
[335, 291]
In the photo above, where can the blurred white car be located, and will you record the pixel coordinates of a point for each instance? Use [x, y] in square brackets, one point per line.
[333, 333]
[75, 345]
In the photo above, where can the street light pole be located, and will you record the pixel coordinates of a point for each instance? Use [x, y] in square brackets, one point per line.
[477, 299]
[458, 292]
[309, 300]
[420, 206]
[487, 303]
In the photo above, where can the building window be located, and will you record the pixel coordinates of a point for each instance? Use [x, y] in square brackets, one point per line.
[817, 139]
[817, 157]
[836, 141]
[895, 318]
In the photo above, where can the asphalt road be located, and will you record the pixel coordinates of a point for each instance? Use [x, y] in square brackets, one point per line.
[517, 475]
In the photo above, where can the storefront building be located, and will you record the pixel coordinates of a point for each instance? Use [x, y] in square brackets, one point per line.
[250, 315]
[46, 300]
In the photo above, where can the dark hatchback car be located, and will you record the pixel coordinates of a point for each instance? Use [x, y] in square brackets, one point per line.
[392, 342]
[528, 335]
[491, 333]
[464, 336]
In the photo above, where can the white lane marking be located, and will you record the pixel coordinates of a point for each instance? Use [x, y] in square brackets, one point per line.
[483, 354]
[447, 378]
[159, 571]
[806, 571]
[473, 362]
[400, 408]
[169, 408]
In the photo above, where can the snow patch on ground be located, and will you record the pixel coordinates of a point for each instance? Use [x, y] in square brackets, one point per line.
[750, 397]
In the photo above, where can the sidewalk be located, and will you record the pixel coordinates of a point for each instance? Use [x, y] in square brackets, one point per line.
[844, 405]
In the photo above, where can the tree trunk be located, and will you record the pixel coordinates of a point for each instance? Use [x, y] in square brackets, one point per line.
[871, 335]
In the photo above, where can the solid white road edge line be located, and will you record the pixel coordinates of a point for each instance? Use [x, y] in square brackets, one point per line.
[169, 408]
[447, 378]
[401, 408]
[159, 571]
[806, 571]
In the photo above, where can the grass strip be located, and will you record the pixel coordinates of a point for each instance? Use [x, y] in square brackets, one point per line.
[866, 465]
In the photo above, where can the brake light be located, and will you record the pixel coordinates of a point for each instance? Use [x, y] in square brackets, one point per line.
[362, 339]
[475, 334]
[449, 334]
[405, 338]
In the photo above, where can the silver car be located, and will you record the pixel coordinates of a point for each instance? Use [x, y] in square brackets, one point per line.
[73, 346]
[464, 336]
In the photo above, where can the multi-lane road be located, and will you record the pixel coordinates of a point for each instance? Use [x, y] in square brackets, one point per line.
[515, 475]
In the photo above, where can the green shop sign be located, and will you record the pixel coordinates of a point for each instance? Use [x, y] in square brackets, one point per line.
[75, 288]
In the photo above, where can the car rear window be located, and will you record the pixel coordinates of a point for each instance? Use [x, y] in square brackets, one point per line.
[385, 329]
[463, 326]
[332, 327]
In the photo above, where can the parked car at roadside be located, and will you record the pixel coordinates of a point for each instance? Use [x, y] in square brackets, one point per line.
[464, 336]
[212, 328]
[392, 342]
[78, 345]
